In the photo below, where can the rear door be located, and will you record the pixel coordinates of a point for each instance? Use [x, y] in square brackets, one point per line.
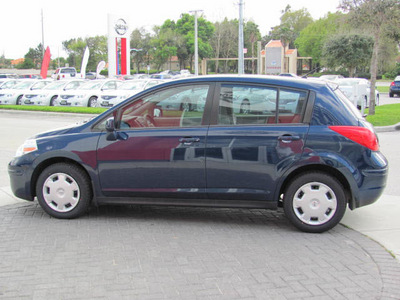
[257, 133]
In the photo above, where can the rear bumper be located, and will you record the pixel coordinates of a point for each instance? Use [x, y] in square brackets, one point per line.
[373, 182]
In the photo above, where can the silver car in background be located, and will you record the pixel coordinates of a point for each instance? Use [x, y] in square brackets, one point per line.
[14, 95]
[48, 95]
[125, 90]
[88, 93]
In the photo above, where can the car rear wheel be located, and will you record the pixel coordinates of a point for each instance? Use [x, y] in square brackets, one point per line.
[314, 202]
[63, 191]
[391, 95]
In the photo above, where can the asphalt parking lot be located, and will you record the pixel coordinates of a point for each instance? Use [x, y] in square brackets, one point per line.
[150, 252]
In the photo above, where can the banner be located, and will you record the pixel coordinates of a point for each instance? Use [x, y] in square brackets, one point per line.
[45, 63]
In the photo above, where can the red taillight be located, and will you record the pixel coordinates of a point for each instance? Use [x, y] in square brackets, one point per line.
[360, 135]
[392, 84]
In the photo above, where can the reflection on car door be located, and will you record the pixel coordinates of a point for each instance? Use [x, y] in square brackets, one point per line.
[249, 150]
[163, 148]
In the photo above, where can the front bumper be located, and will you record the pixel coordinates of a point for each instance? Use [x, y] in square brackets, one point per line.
[20, 181]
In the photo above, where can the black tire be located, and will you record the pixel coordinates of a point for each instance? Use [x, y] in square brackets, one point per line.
[19, 100]
[391, 95]
[64, 191]
[92, 102]
[377, 100]
[314, 202]
[53, 100]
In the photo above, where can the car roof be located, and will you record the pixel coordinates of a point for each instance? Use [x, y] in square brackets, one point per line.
[262, 79]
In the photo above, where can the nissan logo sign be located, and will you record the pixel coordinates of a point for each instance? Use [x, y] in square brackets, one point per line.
[120, 27]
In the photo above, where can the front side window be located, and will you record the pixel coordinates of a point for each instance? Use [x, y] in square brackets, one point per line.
[175, 107]
[247, 104]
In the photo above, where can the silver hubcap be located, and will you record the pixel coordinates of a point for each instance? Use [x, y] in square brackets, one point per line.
[314, 203]
[61, 192]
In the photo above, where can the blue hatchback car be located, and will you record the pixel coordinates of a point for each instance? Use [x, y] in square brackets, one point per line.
[298, 144]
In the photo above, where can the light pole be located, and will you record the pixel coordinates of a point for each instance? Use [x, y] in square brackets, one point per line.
[196, 46]
[241, 55]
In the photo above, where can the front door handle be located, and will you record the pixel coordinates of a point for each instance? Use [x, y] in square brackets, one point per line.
[189, 140]
[287, 138]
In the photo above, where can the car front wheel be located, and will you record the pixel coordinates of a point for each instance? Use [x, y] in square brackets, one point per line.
[92, 102]
[63, 191]
[314, 202]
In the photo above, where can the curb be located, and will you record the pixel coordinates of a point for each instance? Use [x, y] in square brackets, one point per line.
[387, 128]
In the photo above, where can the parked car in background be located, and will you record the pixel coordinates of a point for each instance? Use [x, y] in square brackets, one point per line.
[48, 95]
[14, 95]
[314, 160]
[8, 83]
[88, 93]
[7, 75]
[64, 73]
[348, 85]
[331, 77]
[394, 88]
[125, 90]
[32, 76]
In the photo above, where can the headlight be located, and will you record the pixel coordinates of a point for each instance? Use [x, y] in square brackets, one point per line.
[27, 147]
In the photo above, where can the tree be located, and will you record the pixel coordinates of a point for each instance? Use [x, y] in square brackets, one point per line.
[225, 41]
[140, 41]
[26, 64]
[34, 56]
[164, 46]
[205, 30]
[348, 51]
[292, 23]
[381, 19]
[75, 49]
[312, 38]
[251, 36]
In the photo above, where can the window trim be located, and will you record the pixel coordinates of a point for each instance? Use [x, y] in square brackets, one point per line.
[116, 111]
[305, 113]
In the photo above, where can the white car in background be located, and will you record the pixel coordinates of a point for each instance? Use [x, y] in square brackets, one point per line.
[14, 95]
[88, 93]
[48, 95]
[8, 83]
[348, 86]
[125, 90]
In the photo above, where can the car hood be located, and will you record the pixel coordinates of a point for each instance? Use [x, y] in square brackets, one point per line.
[72, 128]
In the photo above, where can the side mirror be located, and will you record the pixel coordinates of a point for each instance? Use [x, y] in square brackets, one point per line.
[110, 125]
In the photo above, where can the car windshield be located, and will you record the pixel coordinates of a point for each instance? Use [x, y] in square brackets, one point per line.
[132, 85]
[92, 85]
[23, 85]
[55, 86]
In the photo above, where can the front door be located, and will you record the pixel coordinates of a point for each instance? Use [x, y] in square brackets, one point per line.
[162, 149]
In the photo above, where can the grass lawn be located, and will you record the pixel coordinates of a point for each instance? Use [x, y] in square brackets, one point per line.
[79, 110]
[385, 115]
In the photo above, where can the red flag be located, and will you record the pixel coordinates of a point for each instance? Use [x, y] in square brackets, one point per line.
[45, 63]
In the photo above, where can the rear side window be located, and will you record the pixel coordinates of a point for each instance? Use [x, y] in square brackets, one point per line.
[247, 104]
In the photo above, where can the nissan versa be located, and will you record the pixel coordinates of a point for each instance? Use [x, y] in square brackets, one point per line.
[221, 141]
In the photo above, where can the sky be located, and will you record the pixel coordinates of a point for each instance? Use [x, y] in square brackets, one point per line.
[21, 20]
